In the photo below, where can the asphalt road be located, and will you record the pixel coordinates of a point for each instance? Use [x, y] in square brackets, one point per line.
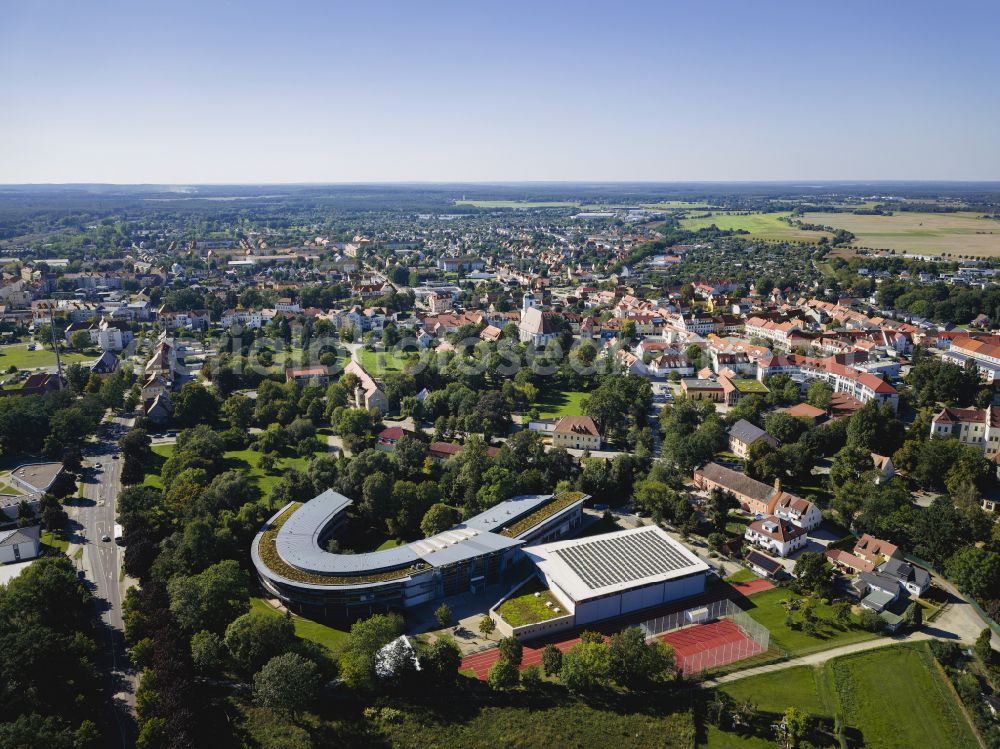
[101, 562]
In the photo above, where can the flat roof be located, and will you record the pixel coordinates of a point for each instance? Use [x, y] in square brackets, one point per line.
[614, 562]
[38, 475]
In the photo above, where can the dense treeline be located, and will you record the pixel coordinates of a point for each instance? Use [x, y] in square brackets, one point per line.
[48, 687]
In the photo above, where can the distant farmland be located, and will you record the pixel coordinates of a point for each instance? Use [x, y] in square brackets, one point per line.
[666, 205]
[761, 225]
[919, 233]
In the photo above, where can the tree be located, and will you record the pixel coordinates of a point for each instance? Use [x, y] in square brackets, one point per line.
[984, 646]
[634, 662]
[211, 599]
[586, 666]
[135, 447]
[531, 677]
[287, 683]
[255, 638]
[502, 675]
[783, 426]
[511, 650]
[819, 394]
[366, 639]
[487, 626]
[439, 518]
[80, 340]
[812, 572]
[914, 616]
[975, 570]
[870, 621]
[792, 728]
[207, 651]
[238, 411]
[194, 404]
[441, 661]
[552, 660]
[443, 615]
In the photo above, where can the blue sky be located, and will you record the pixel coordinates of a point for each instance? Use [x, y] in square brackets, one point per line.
[298, 91]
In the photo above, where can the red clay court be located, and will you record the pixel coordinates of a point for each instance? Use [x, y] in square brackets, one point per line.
[705, 646]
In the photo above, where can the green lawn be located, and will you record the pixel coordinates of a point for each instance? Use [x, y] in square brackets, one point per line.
[330, 638]
[898, 698]
[245, 461]
[56, 540]
[766, 607]
[743, 576]
[553, 403]
[20, 357]
[527, 608]
[378, 363]
[775, 692]
[391, 543]
[895, 696]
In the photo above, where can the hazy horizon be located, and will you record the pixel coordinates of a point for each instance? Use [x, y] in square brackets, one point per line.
[318, 93]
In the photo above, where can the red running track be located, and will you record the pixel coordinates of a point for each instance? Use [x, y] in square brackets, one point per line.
[688, 643]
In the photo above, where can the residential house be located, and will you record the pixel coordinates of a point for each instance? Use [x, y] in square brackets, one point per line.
[368, 394]
[778, 536]
[576, 432]
[314, 375]
[698, 389]
[875, 550]
[743, 435]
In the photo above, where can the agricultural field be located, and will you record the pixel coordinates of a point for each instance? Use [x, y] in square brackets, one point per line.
[919, 233]
[664, 205]
[895, 696]
[525, 204]
[760, 225]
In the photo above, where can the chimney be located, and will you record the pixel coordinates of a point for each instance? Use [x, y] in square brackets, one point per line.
[777, 485]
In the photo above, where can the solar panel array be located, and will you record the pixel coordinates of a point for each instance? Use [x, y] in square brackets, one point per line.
[623, 559]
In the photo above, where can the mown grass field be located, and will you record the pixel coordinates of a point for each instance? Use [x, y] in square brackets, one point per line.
[761, 225]
[767, 608]
[895, 696]
[244, 461]
[19, 356]
[378, 363]
[919, 233]
[553, 403]
[899, 699]
[330, 638]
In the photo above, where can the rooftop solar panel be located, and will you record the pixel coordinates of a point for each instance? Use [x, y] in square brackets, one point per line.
[622, 559]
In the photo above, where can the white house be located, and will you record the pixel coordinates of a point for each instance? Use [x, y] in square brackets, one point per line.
[19, 544]
[778, 536]
[798, 511]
